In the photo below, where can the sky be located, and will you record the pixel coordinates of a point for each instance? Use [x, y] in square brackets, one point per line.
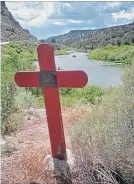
[46, 19]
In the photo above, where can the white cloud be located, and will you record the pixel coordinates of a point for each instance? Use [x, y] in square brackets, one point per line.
[84, 28]
[59, 23]
[14, 6]
[124, 15]
[92, 28]
[111, 25]
[65, 22]
[50, 18]
[67, 5]
[27, 14]
[75, 21]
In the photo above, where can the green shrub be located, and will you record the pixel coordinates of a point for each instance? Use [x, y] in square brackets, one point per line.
[24, 99]
[13, 99]
[35, 91]
[65, 91]
[119, 54]
[69, 97]
[61, 52]
[89, 94]
[8, 93]
[39, 101]
[11, 123]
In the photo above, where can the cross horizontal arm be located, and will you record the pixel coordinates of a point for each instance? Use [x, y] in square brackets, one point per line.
[72, 79]
[27, 79]
[66, 79]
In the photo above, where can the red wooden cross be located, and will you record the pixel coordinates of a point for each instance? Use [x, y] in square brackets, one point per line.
[49, 79]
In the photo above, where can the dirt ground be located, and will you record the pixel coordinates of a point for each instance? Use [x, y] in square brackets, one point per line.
[22, 160]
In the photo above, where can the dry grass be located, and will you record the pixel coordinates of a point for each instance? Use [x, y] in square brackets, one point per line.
[106, 136]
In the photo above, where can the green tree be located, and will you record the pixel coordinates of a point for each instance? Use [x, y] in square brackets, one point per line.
[53, 40]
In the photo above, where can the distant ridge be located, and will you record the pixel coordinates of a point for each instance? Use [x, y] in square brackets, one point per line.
[116, 35]
[11, 29]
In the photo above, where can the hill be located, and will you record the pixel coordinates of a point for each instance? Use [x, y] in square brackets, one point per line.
[90, 39]
[11, 29]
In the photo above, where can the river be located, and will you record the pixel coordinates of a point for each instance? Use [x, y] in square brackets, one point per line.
[100, 73]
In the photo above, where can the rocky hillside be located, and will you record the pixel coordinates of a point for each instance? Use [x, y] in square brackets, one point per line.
[123, 34]
[11, 29]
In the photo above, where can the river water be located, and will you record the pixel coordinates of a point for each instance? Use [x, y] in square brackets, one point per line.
[99, 73]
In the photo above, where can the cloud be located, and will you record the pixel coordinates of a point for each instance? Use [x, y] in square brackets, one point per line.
[67, 5]
[124, 15]
[58, 23]
[38, 14]
[14, 6]
[53, 18]
[77, 10]
[75, 21]
[31, 13]
[66, 22]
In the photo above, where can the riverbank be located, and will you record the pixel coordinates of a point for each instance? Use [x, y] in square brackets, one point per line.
[61, 52]
[115, 54]
[30, 50]
[23, 50]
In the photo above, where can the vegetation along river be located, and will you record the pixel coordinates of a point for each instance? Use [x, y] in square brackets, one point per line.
[100, 73]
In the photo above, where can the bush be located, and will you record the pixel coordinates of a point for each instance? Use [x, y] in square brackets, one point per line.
[24, 99]
[117, 54]
[7, 103]
[61, 52]
[106, 136]
[90, 94]
[12, 98]
[11, 123]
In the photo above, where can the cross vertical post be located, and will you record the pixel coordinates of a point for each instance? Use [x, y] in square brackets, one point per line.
[49, 80]
[52, 102]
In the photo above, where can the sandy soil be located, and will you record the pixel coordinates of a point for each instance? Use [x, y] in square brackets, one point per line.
[29, 145]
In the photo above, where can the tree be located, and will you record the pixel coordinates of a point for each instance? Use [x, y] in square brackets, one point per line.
[42, 41]
[53, 40]
[118, 42]
[132, 39]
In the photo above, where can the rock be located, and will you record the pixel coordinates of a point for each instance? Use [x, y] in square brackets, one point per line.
[31, 111]
[59, 168]
[32, 114]
[2, 141]
[71, 160]
[51, 163]
[28, 117]
[74, 55]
